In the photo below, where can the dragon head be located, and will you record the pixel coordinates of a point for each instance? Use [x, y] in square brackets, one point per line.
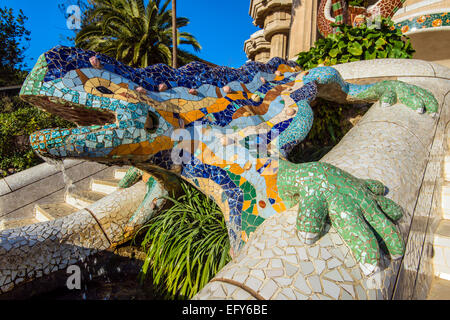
[126, 115]
[107, 101]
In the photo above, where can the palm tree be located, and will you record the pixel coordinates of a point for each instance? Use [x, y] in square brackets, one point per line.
[133, 33]
[174, 33]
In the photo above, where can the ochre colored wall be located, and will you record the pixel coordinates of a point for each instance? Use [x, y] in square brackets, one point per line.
[303, 32]
[430, 43]
[432, 46]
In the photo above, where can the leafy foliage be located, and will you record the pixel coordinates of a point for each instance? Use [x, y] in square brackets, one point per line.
[358, 3]
[17, 121]
[360, 43]
[133, 33]
[12, 34]
[332, 121]
[186, 245]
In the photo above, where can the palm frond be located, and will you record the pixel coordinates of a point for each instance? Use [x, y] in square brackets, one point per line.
[140, 34]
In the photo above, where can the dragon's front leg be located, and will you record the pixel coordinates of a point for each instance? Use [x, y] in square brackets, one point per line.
[331, 86]
[356, 208]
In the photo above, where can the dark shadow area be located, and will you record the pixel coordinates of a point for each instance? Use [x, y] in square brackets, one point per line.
[106, 275]
[331, 123]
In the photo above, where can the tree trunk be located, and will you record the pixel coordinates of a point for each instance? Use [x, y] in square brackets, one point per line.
[174, 34]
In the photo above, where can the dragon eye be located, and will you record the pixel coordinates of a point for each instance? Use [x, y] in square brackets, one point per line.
[104, 90]
[152, 122]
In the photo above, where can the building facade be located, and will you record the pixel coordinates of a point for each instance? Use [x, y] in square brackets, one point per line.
[427, 24]
[289, 27]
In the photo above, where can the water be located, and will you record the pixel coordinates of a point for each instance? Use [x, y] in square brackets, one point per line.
[111, 277]
[59, 165]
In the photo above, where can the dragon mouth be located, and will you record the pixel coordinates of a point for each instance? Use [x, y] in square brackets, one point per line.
[96, 135]
[79, 114]
[51, 143]
[103, 121]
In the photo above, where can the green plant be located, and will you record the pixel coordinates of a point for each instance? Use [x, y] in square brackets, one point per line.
[17, 121]
[134, 33]
[358, 3]
[360, 43]
[186, 244]
[13, 36]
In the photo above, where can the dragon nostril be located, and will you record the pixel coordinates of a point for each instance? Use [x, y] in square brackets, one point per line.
[152, 122]
[104, 90]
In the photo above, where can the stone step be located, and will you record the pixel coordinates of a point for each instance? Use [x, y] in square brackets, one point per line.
[80, 199]
[446, 187]
[441, 246]
[51, 211]
[104, 186]
[120, 173]
[439, 290]
[445, 200]
[447, 168]
[446, 213]
[16, 223]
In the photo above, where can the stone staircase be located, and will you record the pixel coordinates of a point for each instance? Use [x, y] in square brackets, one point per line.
[440, 287]
[74, 199]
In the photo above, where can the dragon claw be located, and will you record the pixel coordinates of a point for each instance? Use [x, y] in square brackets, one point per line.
[420, 110]
[308, 237]
[369, 269]
[358, 215]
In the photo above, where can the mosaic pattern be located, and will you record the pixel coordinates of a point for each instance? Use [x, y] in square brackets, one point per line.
[384, 145]
[383, 8]
[434, 20]
[348, 202]
[226, 131]
[338, 13]
[30, 253]
[269, 269]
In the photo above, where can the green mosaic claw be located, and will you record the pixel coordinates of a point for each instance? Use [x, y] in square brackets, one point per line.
[131, 177]
[356, 208]
[390, 92]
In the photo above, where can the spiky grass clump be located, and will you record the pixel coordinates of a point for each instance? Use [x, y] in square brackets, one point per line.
[186, 245]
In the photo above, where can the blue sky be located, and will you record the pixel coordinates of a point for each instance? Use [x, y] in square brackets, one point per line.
[221, 27]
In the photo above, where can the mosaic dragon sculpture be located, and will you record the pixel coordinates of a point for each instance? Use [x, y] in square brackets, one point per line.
[226, 131]
[336, 11]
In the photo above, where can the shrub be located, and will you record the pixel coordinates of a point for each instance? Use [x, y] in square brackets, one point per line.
[186, 245]
[360, 43]
[17, 121]
[358, 3]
